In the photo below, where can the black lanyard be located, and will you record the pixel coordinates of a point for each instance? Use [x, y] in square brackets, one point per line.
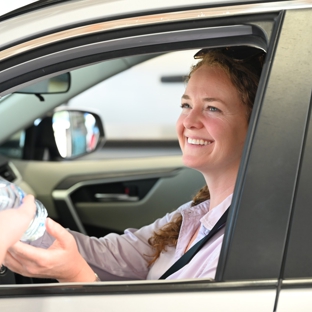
[188, 256]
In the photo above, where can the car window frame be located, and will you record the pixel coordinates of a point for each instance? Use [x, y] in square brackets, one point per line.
[286, 181]
[298, 255]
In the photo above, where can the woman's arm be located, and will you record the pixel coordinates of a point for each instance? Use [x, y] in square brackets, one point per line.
[74, 257]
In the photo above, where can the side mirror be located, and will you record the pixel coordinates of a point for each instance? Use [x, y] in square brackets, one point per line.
[57, 84]
[77, 132]
[62, 134]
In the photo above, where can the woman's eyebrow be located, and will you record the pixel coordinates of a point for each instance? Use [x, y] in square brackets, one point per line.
[213, 100]
[208, 99]
[186, 97]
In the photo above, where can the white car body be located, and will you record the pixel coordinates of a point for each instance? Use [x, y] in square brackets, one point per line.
[234, 290]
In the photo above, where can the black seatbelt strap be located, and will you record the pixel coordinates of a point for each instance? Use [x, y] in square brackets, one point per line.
[188, 256]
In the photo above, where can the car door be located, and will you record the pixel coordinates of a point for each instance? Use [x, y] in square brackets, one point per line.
[295, 280]
[295, 277]
[252, 253]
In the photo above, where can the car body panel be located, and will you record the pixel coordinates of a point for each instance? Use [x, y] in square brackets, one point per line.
[284, 98]
[254, 251]
[92, 10]
[183, 294]
[242, 301]
[296, 296]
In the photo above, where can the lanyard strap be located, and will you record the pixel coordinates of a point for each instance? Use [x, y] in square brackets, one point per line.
[188, 256]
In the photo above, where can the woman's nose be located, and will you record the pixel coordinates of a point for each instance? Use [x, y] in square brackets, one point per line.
[193, 120]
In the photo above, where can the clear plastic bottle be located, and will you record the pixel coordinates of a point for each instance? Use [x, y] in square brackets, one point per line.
[11, 196]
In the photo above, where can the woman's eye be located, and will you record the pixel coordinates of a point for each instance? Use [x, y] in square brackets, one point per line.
[213, 109]
[185, 105]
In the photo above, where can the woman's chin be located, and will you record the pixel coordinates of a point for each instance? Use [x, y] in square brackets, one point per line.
[192, 162]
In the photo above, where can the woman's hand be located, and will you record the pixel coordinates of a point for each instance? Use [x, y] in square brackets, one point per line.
[61, 261]
[14, 222]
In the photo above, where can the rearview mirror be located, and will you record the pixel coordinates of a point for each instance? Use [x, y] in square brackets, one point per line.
[77, 132]
[57, 84]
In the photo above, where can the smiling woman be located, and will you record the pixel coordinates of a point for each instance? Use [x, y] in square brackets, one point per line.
[211, 129]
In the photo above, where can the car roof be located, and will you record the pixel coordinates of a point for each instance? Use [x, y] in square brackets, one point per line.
[49, 16]
[22, 7]
[39, 4]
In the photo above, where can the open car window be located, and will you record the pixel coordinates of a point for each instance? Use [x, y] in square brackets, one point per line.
[144, 113]
[148, 104]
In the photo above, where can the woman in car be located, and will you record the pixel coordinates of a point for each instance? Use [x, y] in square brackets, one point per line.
[212, 128]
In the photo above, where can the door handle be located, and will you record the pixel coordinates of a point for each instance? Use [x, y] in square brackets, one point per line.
[116, 197]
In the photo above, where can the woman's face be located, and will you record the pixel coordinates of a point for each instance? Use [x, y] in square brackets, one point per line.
[213, 123]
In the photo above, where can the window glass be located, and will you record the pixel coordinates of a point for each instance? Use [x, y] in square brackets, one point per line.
[140, 103]
[13, 147]
[143, 102]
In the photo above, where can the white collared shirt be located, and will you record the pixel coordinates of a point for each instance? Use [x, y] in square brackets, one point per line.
[124, 257]
[204, 263]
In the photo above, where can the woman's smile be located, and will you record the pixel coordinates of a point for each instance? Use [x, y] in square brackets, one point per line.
[199, 142]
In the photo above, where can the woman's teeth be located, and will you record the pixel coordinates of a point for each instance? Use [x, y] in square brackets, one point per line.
[198, 142]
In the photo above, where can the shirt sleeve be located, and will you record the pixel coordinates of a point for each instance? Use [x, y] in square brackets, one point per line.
[120, 257]
[117, 257]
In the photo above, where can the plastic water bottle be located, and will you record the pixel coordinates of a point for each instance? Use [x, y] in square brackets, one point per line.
[11, 196]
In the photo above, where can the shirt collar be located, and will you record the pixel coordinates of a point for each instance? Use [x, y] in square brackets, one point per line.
[212, 216]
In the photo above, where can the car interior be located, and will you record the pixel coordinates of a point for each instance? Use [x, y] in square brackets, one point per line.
[85, 191]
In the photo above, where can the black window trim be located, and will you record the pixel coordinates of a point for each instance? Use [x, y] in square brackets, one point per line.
[120, 288]
[61, 60]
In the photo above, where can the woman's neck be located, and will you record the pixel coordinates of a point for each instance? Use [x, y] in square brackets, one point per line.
[220, 188]
[216, 199]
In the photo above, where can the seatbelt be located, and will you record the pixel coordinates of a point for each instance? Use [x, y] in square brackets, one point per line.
[188, 256]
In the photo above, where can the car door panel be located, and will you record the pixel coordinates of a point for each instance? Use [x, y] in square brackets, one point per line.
[296, 276]
[164, 177]
[295, 296]
[149, 296]
[273, 162]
